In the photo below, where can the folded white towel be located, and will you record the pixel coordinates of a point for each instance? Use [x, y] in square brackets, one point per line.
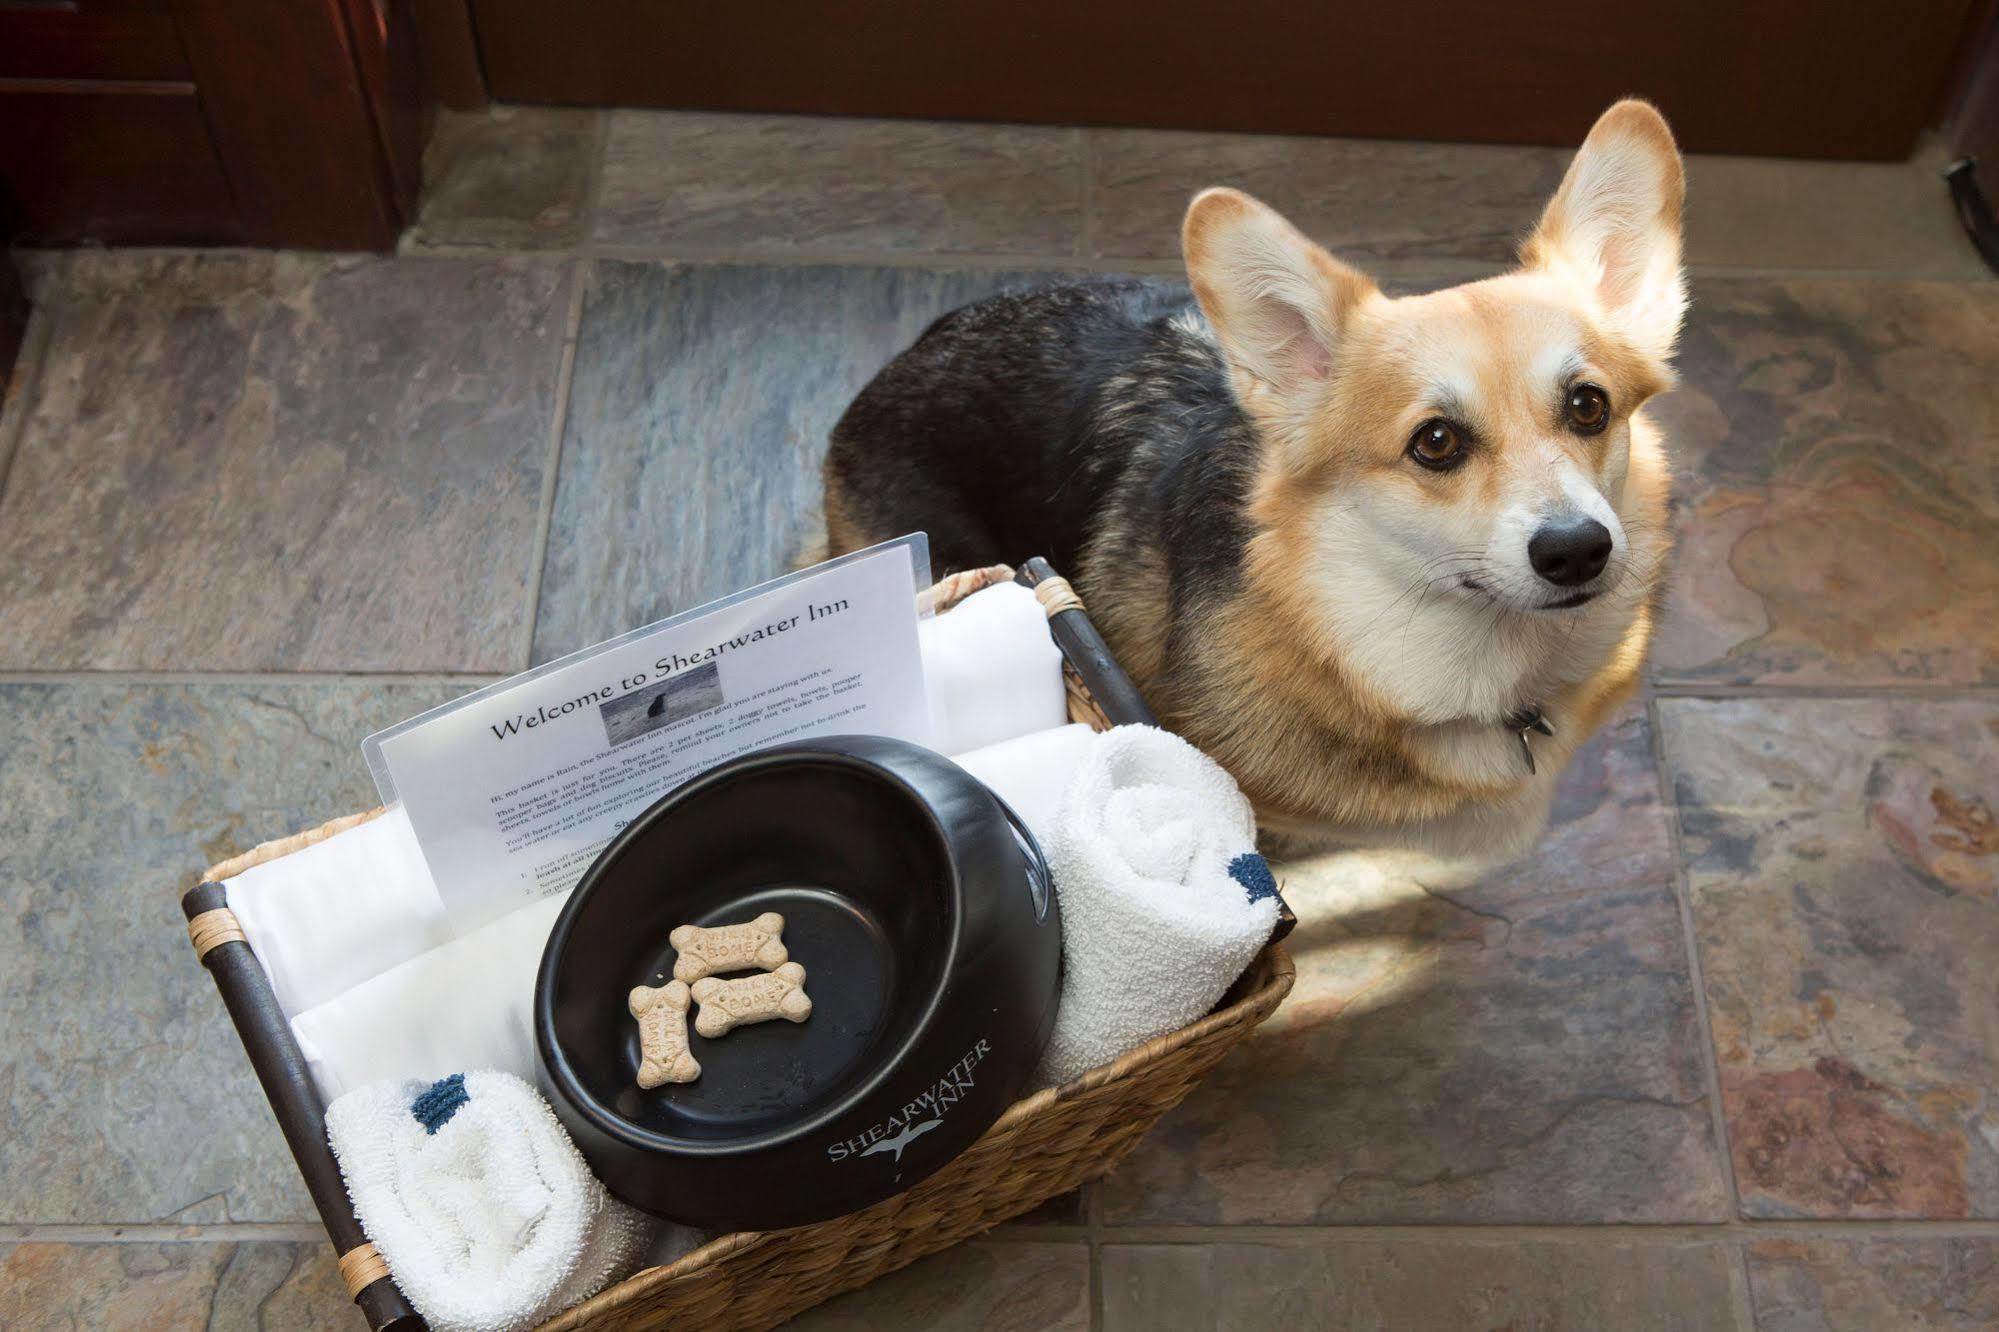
[1030, 772]
[991, 669]
[468, 1004]
[482, 1207]
[1164, 898]
[328, 917]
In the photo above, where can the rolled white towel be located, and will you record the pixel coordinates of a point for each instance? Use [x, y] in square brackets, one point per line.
[468, 1004]
[1164, 898]
[478, 1201]
[1030, 772]
[327, 917]
[991, 670]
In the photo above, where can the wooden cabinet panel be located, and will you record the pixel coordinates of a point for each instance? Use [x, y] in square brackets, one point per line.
[450, 53]
[1753, 76]
[1974, 123]
[13, 323]
[391, 76]
[89, 39]
[298, 123]
[292, 121]
[112, 165]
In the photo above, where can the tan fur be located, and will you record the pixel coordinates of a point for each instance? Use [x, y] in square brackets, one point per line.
[1355, 764]
[1339, 716]
[845, 531]
[814, 545]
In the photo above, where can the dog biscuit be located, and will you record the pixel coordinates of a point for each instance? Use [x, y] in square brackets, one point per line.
[709, 952]
[662, 1015]
[727, 1004]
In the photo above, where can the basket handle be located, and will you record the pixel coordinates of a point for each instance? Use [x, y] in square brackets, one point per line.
[1116, 696]
[281, 1068]
[1069, 624]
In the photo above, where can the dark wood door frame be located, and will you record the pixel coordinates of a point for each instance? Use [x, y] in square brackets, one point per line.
[1974, 139]
[13, 328]
[450, 54]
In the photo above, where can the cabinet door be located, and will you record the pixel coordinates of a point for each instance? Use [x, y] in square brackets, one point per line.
[13, 322]
[103, 163]
[1798, 77]
[101, 137]
[207, 121]
[89, 39]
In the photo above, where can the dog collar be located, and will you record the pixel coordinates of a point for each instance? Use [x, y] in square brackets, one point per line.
[1521, 721]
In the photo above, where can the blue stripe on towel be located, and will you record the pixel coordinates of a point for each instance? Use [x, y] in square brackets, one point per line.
[1253, 873]
[435, 1107]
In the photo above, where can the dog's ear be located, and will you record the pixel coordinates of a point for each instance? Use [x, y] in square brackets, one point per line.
[1277, 301]
[1614, 225]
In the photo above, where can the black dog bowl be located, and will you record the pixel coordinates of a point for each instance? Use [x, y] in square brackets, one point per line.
[923, 915]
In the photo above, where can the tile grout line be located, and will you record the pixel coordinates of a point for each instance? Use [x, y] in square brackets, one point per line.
[1911, 692]
[939, 259]
[1443, 268]
[583, 256]
[1769, 272]
[1097, 1235]
[1740, 1287]
[1389, 270]
[1086, 231]
[1696, 978]
[1094, 1233]
[565, 378]
[1733, 1231]
[1914, 689]
[25, 389]
[166, 1232]
[593, 185]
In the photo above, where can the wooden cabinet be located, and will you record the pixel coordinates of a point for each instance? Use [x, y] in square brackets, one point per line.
[1805, 78]
[13, 325]
[1974, 140]
[285, 122]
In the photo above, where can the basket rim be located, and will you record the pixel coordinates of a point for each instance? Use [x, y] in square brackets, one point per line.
[1278, 974]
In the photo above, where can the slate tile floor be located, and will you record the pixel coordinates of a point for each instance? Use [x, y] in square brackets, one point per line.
[1721, 1054]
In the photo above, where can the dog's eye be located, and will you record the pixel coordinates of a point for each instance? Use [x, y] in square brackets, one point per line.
[1437, 444]
[1589, 409]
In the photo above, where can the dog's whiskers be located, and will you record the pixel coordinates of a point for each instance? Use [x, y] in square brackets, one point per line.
[1422, 582]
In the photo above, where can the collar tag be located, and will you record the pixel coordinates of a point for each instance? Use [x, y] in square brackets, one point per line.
[1521, 721]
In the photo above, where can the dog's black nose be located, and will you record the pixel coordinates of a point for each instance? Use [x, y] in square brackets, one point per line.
[1570, 554]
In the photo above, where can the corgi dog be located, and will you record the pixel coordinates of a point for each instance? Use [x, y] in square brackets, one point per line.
[1390, 560]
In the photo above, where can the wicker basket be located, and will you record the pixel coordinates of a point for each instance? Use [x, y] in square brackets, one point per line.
[1041, 1147]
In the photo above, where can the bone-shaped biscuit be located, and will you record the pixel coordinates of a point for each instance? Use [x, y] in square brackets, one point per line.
[727, 1004]
[707, 952]
[662, 1015]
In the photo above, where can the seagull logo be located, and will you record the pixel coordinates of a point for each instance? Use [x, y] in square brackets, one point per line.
[902, 1139]
[918, 1115]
